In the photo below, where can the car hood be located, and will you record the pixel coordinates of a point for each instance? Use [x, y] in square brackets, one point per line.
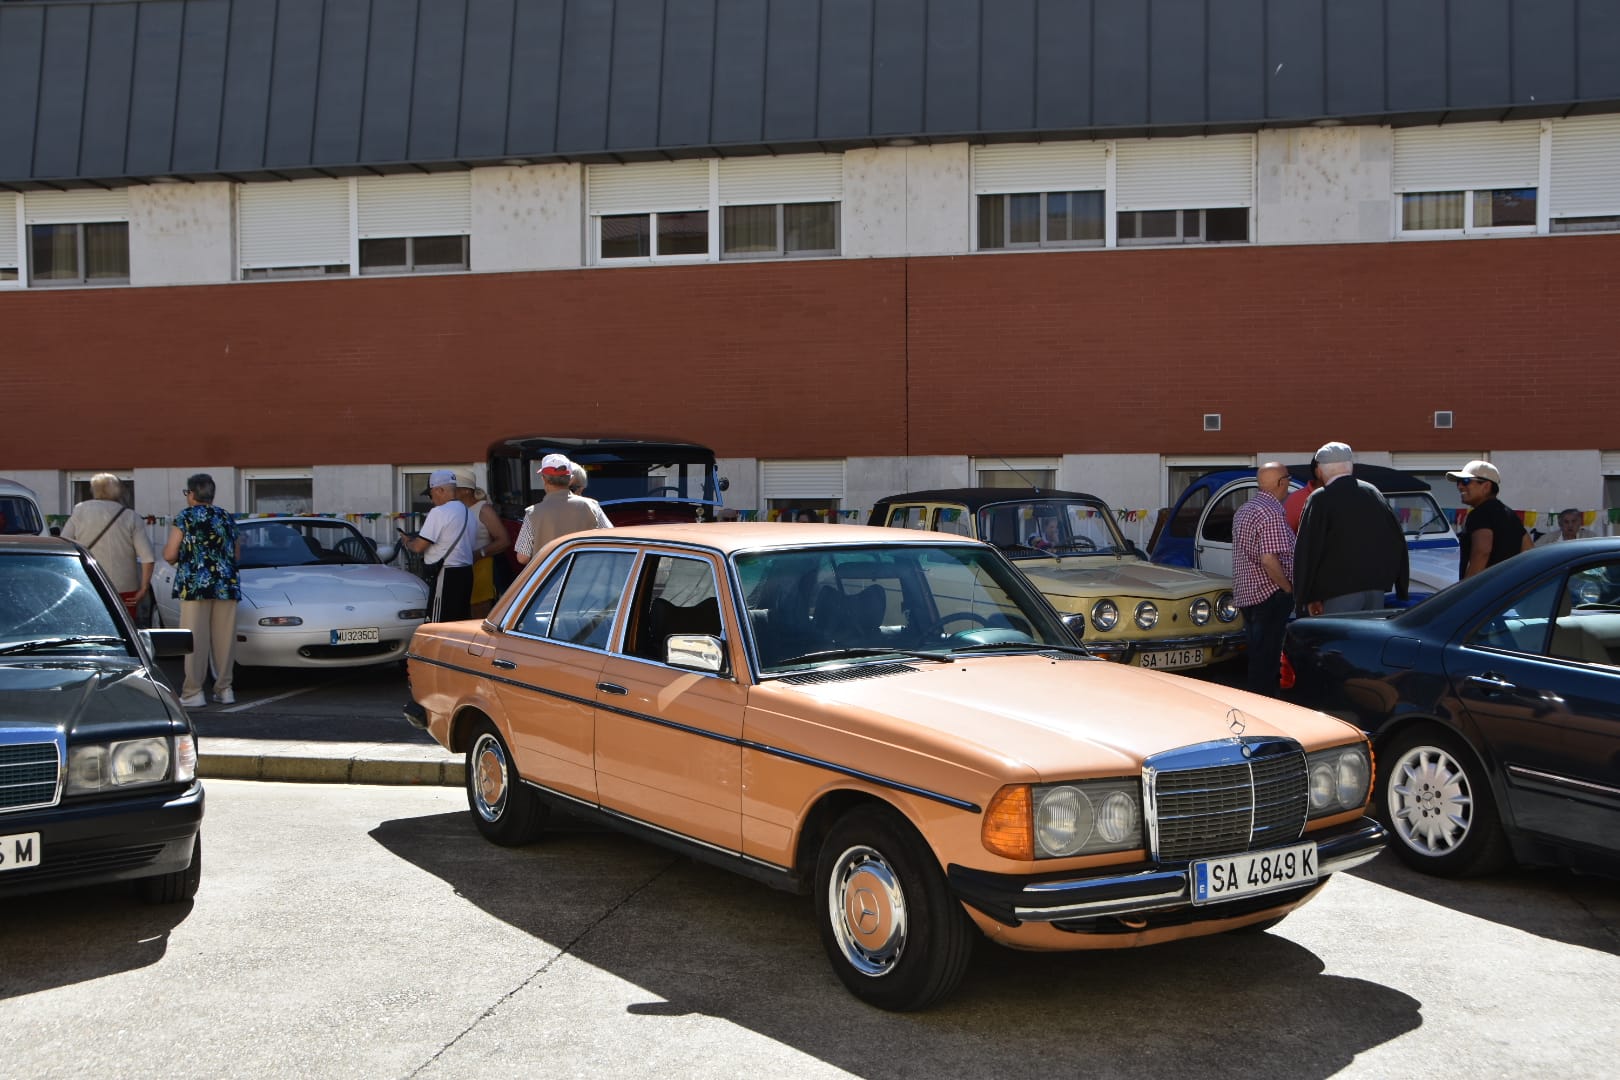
[1092, 575]
[304, 586]
[91, 699]
[1433, 568]
[1059, 719]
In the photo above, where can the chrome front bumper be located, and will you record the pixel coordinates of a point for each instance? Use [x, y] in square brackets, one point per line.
[1015, 900]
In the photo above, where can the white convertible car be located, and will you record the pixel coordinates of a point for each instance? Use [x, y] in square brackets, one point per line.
[314, 594]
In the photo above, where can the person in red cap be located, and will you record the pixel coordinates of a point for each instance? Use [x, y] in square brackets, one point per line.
[1491, 532]
[561, 511]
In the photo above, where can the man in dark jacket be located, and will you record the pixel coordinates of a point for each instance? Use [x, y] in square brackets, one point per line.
[1351, 548]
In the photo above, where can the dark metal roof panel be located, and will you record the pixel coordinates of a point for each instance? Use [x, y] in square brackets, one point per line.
[111, 90]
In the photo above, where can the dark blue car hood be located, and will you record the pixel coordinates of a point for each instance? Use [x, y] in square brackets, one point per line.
[92, 699]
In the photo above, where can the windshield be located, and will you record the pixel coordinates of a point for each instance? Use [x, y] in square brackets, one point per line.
[19, 516]
[301, 543]
[1036, 527]
[1419, 514]
[634, 480]
[828, 604]
[51, 599]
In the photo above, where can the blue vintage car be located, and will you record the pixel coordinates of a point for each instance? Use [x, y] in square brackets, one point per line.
[1197, 532]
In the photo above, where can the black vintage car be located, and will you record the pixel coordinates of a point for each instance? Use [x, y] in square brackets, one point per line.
[1494, 707]
[98, 762]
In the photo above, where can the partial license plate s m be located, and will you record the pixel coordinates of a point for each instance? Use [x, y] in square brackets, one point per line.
[19, 851]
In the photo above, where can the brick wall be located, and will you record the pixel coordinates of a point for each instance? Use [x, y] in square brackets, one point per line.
[1091, 352]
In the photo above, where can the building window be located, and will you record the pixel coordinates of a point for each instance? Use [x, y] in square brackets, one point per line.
[648, 236]
[89, 254]
[79, 488]
[266, 273]
[280, 494]
[1223, 225]
[783, 230]
[413, 255]
[1598, 223]
[1469, 211]
[1000, 472]
[1041, 219]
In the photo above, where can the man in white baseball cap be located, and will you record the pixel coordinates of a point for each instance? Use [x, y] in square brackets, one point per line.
[561, 511]
[446, 546]
[1491, 533]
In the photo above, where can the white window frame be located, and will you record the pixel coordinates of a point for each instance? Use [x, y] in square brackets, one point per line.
[250, 476]
[1014, 465]
[819, 480]
[125, 477]
[1473, 178]
[1204, 463]
[781, 251]
[11, 223]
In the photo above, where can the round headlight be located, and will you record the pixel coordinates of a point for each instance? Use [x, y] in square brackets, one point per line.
[1105, 615]
[1200, 611]
[1226, 608]
[141, 761]
[1116, 821]
[1147, 615]
[1324, 786]
[1352, 778]
[1063, 821]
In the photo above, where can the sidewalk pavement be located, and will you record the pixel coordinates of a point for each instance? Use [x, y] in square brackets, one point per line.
[305, 760]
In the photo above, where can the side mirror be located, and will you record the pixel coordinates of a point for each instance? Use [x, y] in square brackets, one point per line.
[1130, 546]
[160, 642]
[1076, 624]
[696, 652]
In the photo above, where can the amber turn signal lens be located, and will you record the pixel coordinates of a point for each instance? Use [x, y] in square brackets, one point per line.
[1009, 828]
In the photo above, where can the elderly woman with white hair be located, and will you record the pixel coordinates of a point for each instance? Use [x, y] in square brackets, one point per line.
[116, 537]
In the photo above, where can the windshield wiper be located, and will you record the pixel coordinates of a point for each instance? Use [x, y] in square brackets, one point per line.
[847, 654]
[985, 646]
[42, 644]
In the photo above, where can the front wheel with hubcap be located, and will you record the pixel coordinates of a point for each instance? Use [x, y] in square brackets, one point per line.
[895, 935]
[1433, 795]
[504, 809]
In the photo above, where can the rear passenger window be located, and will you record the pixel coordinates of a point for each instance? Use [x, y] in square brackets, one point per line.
[590, 598]
[908, 517]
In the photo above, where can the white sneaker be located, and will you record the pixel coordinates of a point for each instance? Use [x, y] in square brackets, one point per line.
[226, 697]
[194, 701]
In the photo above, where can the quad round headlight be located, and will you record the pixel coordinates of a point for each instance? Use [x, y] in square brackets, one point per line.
[1352, 778]
[1147, 615]
[1226, 608]
[1105, 615]
[1324, 786]
[1063, 821]
[1338, 779]
[1200, 611]
[1116, 820]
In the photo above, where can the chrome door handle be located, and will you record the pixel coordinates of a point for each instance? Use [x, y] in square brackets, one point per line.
[611, 688]
[506, 664]
[1492, 682]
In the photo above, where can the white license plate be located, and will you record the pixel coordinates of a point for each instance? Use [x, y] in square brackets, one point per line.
[1171, 658]
[362, 636]
[1232, 877]
[19, 851]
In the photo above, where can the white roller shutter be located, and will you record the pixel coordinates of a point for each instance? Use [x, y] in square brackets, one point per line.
[1022, 167]
[294, 223]
[70, 207]
[1586, 166]
[1435, 463]
[645, 186]
[802, 479]
[1611, 462]
[1185, 174]
[437, 205]
[8, 229]
[1468, 156]
[794, 178]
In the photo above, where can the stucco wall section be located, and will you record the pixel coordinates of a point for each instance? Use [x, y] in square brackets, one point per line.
[938, 200]
[181, 234]
[1325, 185]
[353, 489]
[528, 217]
[874, 206]
[1547, 481]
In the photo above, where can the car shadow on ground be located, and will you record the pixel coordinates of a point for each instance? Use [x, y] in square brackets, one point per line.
[699, 940]
[48, 940]
[1555, 904]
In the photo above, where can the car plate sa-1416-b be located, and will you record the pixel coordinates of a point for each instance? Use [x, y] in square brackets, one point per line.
[1232, 877]
[1167, 659]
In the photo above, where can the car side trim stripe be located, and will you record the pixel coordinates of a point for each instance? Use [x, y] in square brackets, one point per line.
[1563, 781]
[745, 744]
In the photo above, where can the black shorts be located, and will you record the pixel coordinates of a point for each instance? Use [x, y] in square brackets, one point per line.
[452, 595]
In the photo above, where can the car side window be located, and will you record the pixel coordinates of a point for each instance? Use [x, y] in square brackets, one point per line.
[590, 596]
[908, 517]
[1587, 627]
[1521, 625]
[1218, 522]
[953, 520]
[676, 595]
[536, 618]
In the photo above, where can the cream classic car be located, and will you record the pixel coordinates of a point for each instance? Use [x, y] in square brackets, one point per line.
[897, 724]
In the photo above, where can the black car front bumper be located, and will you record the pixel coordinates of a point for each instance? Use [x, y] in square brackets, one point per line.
[90, 842]
[1072, 903]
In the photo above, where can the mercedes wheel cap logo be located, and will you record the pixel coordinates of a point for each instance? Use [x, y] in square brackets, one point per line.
[866, 912]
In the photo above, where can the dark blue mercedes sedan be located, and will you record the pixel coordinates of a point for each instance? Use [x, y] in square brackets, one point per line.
[98, 761]
[1494, 707]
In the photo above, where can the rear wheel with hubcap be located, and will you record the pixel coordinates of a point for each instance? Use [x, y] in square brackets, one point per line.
[895, 935]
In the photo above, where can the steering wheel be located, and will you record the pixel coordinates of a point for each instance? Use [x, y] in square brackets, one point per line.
[937, 629]
[352, 547]
[1082, 543]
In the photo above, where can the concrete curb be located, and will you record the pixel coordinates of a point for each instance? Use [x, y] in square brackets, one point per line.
[329, 763]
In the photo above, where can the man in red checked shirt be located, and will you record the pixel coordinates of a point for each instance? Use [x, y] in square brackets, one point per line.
[1263, 575]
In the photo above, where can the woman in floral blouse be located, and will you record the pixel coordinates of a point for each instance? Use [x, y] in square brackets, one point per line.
[203, 547]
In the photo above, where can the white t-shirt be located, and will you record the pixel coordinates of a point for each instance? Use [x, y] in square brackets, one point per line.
[444, 523]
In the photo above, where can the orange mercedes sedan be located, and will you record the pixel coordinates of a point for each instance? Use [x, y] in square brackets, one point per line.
[898, 724]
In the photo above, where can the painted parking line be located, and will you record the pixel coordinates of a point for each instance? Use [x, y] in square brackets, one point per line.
[277, 697]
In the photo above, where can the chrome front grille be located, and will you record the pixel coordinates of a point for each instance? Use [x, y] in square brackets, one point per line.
[29, 774]
[1215, 800]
